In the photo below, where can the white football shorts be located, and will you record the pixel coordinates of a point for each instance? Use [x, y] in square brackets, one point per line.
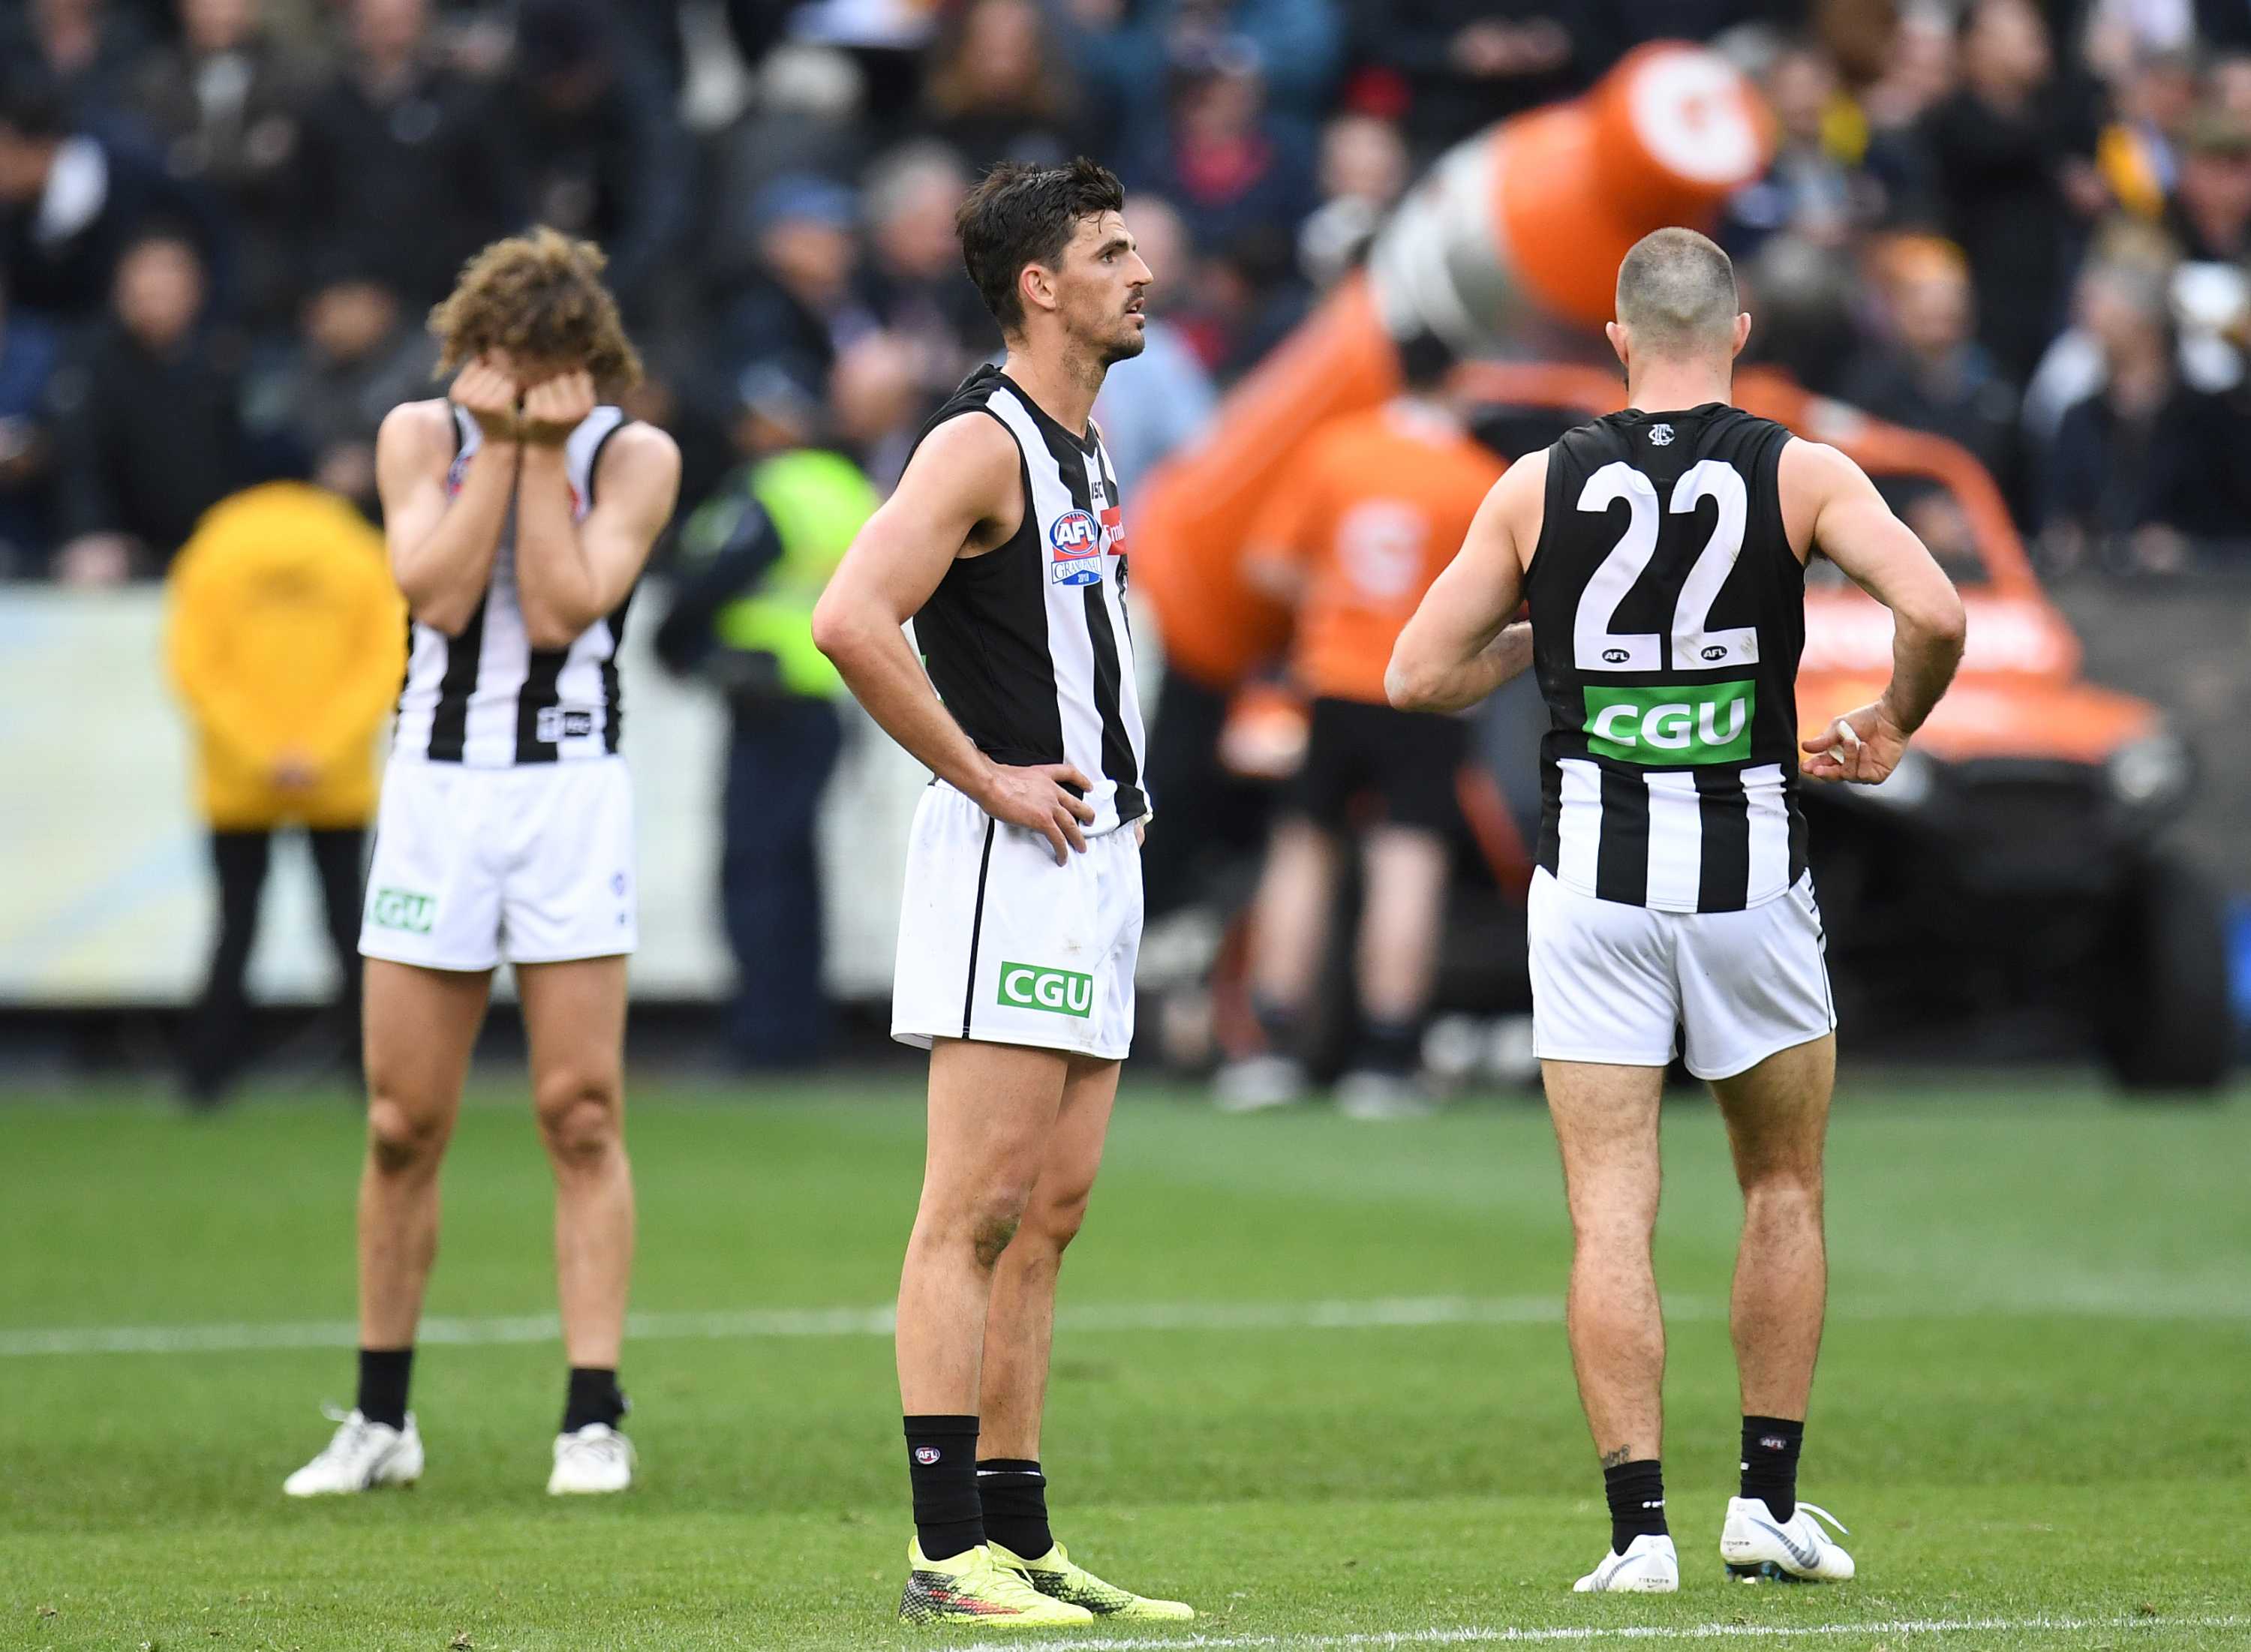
[533, 864]
[1610, 981]
[998, 942]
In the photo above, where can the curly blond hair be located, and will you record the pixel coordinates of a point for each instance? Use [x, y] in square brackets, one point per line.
[539, 296]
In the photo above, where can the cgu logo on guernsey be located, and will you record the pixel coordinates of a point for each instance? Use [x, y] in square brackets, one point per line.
[1075, 555]
[1672, 723]
[1029, 986]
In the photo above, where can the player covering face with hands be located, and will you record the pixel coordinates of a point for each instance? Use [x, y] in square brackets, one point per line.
[1662, 552]
[519, 512]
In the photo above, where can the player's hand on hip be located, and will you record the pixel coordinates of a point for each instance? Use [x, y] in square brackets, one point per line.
[487, 395]
[1036, 799]
[555, 407]
[1861, 748]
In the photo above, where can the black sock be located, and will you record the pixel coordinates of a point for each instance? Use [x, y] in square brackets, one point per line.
[594, 1396]
[942, 1465]
[383, 1374]
[1014, 1495]
[1636, 1491]
[1392, 1048]
[1770, 1463]
[1278, 1025]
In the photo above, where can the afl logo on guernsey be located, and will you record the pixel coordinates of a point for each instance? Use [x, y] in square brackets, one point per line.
[1075, 549]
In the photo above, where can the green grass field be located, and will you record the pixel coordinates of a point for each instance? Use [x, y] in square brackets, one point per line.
[1313, 1377]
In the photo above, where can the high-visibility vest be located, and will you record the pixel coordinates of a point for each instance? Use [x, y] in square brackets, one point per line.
[817, 501]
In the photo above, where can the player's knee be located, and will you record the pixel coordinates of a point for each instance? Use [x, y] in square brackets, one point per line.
[1791, 1193]
[403, 1139]
[1055, 1219]
[578, 1118]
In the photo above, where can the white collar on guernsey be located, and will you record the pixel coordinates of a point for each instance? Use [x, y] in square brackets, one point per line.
[77, 188]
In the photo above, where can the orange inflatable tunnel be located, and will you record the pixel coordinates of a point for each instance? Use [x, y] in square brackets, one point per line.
[1530, 216]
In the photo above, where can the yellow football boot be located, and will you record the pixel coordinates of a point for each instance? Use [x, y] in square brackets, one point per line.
[970, 1587]
[1057, 1577]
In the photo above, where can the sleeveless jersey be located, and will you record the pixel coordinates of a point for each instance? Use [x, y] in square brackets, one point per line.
[1028, 645]
[1667, 617]
[487, 698]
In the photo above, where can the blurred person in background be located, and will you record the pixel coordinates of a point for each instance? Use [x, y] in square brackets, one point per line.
[2138, 154]
[1370, 511]
[800, 305]
[1233, 174]
[875, 404]
[912, 279]
[85, 46]
[29, 352]
[1126, 51]
[284, 638]
[404, 162]
[1928, 371]
[2210, 212]
[223, 100]
[75, 193]
[1363, 171]
[1163, 398]
[599, 153]
[2009, 158]
[152, 433]
[2148, 466]
[1468, 63]
[1810, 189]
[358, 354]
[752, 562]
[999, 87]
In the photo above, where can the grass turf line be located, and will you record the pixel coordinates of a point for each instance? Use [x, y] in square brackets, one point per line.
[2052, 1449]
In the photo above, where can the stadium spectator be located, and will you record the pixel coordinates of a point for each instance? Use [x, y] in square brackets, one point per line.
[599, 151]
[2138, 155]
[1235, 175]
[1929, 372]
[360, 356]
[2010, 165]
[152, 434]
[223, 99]
[84, 46]
[75, 193]
[1371, 510]
[29, 350]
[2147, 466]
[1126, 54]
[752, 561]
[403, 168]
[1362, 173]
[1161, 398]
[1463, 64]
[800, 304]
[999, 87]
[1809, 190]
[877, 403]
[2210, 212]
[284, 636]
[912, 279]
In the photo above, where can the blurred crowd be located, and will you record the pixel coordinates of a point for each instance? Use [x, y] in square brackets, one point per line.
[2024, 225]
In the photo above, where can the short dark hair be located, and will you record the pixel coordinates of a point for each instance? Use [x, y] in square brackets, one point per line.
[1676, 290]
[1019, 215]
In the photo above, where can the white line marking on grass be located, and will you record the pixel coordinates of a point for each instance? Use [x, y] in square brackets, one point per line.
[1478, 1636]
[1379, 1313]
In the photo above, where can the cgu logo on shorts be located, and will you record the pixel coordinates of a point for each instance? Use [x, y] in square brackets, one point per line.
[1075, 554]
[402, 909]
[1672, 723]
[1028, 986]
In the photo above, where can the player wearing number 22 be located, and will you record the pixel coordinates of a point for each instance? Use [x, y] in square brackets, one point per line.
[1662, 551]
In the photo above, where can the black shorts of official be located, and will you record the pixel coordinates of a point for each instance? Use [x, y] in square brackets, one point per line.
[1402, 764]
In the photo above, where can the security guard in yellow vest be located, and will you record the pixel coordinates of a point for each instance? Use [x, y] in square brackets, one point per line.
[751, 563]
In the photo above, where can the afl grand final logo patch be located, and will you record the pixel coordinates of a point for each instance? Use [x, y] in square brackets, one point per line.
[1074, 550]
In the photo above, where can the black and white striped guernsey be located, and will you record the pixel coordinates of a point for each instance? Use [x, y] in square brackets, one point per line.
[1028, 645]
[1668, 613]
[487, 698]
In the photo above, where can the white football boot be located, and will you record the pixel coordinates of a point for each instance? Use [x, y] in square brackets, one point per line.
[1650, 1565]
[360, 1456]
[1756, 1545]
[1257, 1083]
[595, 1459]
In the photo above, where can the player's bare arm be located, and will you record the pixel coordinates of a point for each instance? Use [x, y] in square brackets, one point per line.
[570, 573]
[1829, 505]
[962, 494]
[1460, 646]
[442, 548]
